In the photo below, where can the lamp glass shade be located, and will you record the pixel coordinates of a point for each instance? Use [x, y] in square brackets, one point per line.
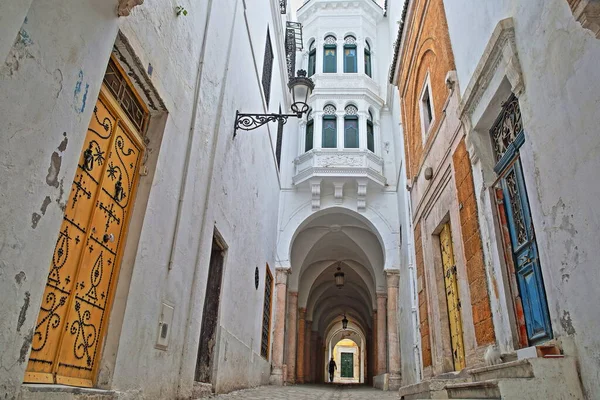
[301, 87]
[339, 279]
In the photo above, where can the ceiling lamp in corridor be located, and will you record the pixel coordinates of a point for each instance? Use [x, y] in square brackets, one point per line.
[345, 322]
[339, 278]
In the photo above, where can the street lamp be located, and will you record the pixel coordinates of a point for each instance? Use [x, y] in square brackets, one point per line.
[339, 278]
[300, 86]
[345, 322]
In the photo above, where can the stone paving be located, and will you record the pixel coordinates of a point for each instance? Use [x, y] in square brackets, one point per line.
[310, 392]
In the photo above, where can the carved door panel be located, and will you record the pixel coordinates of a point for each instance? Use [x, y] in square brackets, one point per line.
[83, 272]
[525, 255]
[452, 298]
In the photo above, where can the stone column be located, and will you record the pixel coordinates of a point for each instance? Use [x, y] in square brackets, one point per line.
[314, 357]
[301, 346]
[381, 334]
[393, 278]
[281, 275]
[374, 339]
[307, 351]
[291, 337]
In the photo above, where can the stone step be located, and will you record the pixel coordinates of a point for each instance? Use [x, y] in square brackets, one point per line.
[428, 389]
[513, 369]
[201, 390]
[474, 390]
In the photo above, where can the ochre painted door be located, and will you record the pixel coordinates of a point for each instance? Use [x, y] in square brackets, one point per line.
[67, 340]
[452, 298]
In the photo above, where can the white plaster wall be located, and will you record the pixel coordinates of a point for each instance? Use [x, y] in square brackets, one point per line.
[232, 185]
[559, 61]
[12, 15]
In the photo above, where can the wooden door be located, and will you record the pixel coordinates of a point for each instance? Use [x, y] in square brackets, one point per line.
[525, 255]
[452, 298]
[67, 339]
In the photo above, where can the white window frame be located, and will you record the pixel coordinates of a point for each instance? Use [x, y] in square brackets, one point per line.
[426, 126]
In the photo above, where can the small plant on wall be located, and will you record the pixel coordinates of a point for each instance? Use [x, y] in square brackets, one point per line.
[180, 11]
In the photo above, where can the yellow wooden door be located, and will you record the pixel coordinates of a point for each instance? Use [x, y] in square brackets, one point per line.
[452, 298]
[73, 316]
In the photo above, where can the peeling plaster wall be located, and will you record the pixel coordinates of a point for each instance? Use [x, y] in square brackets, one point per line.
[559, 61]
[48, 85]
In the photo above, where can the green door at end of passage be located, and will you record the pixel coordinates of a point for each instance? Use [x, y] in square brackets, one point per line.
[347, 365]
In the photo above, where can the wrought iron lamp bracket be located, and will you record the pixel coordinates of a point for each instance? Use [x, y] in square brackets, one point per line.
[248, 122]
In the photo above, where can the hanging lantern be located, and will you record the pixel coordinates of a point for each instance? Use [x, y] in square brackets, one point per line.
[339, 278]
[345, 322]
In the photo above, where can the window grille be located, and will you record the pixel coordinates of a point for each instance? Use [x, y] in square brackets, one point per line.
[266, 322]
[267, 68]
[351, 110]
[330, 40]
[507, 127]
[329, 110]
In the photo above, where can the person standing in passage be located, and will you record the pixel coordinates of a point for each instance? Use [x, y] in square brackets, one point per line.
[332, 368]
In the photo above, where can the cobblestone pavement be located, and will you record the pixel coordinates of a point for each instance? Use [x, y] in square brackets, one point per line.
[310, 392]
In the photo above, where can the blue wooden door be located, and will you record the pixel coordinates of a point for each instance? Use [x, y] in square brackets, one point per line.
[525, 255]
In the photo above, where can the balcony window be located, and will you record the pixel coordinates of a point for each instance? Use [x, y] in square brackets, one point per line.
[312, 59]
[351, 127]
[368, 60]
[330, 55]
[308, 137]
[329, 127]
[370, 133]
[350, 58]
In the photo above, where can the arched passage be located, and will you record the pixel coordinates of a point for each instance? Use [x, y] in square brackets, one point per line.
[325, 243]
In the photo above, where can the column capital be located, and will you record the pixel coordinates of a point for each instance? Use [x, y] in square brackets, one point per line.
[393, 278]
[301, 313]
[381, 295]
[293, 294]
[281, 275]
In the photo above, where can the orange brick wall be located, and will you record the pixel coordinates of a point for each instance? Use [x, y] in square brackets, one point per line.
[423, 314]
[473, 251]
[425, 50]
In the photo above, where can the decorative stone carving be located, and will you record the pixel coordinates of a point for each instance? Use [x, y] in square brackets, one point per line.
[338, 193]
[361, 195]
[315, 189]
[330, 161]
[587, 13]
[124, 7]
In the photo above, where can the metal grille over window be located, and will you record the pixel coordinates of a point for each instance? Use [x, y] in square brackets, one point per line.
[507, 127]
[330, 40]
[126, 98]
[293, 43]
[351, 110]
[266, 322]
[283, 6]
[329, 110]
[267, 68]
[351, 40]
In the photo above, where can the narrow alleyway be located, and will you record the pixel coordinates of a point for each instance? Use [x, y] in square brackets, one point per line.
[310, 392]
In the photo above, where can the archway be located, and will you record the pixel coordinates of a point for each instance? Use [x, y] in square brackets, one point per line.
[327, 243]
